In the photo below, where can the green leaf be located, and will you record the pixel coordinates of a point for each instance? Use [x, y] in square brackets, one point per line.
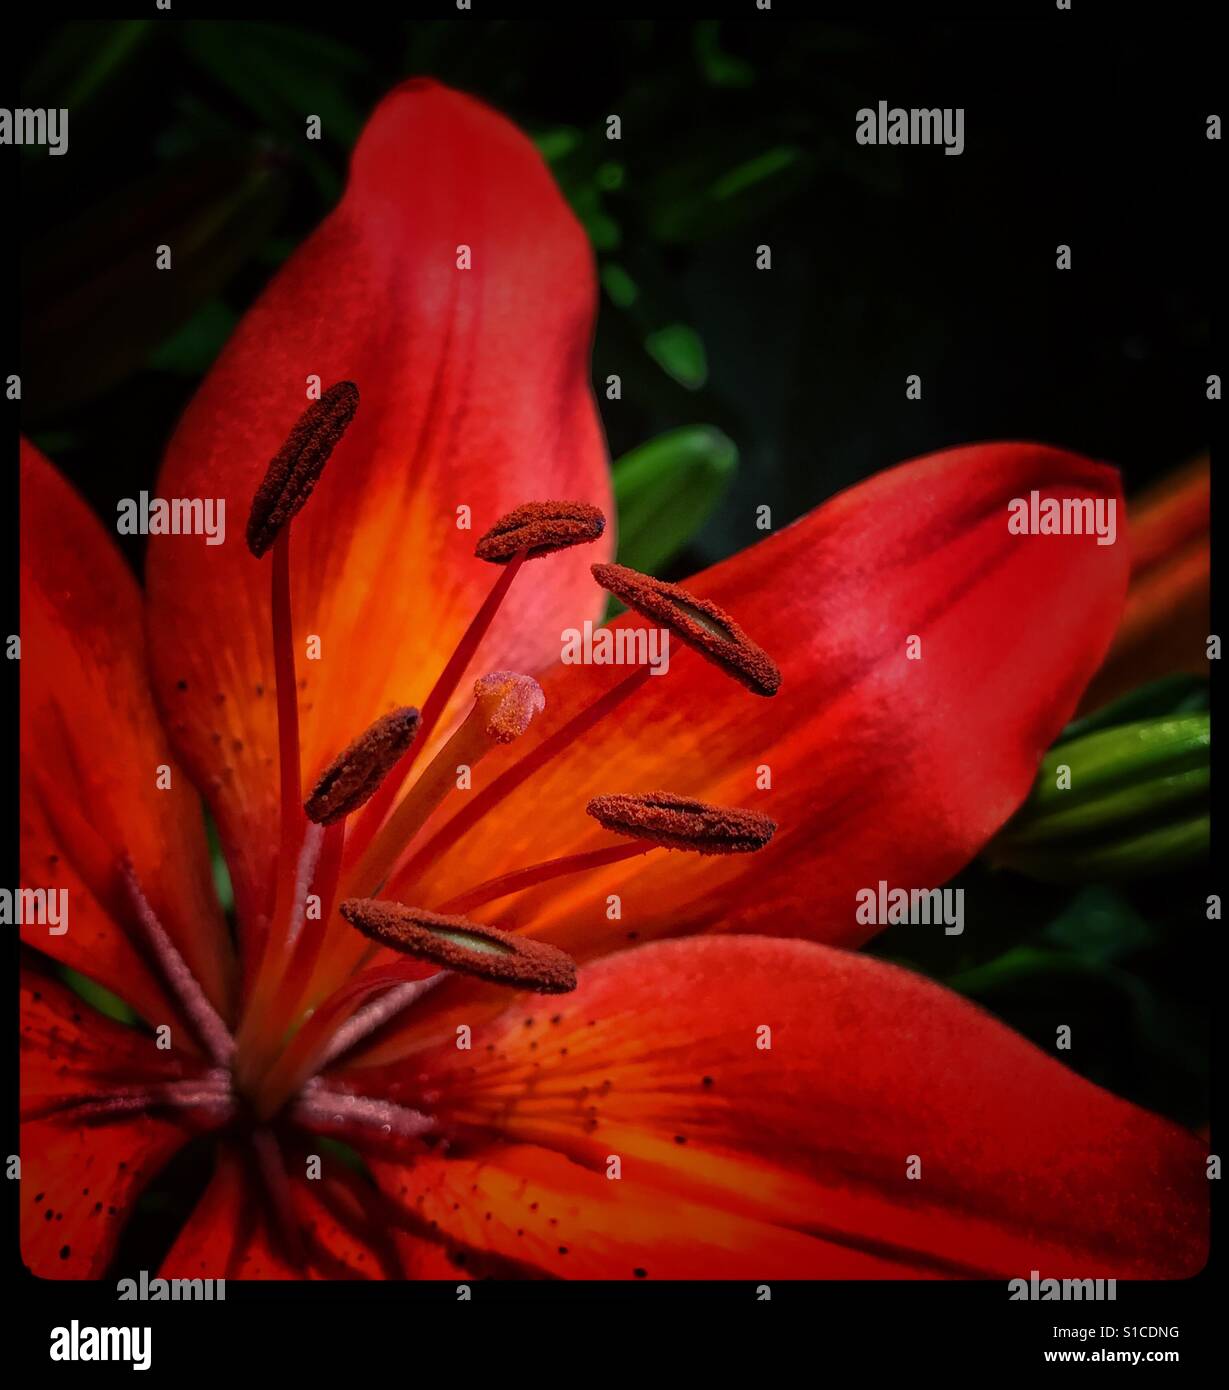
[755, 171]
[1100, 925]
[721, 69]
[221, 873]
[83, 58]
[1181, 694]
[619, 285]
[1134, 803]
[1158, 851]
[98, 996]
[666, 489]
[1110, 762]
[282, 75]
[554, 145]
[679, 351]
[192, 350]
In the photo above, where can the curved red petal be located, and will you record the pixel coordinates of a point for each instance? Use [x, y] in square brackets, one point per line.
[791, 1085]
[537, 1212]
[228, 1235]
[876, 764]
[234, 1232]
[92, 753]
[474, 397]
[81, 1169]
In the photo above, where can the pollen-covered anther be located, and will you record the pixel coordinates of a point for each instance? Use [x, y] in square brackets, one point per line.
[678, 822]
[456, 943]
[353, 777]
[540, 528]
[298, 464]
[506, 702]
[696, 621]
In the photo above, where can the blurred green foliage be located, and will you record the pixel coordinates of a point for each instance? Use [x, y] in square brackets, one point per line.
[1116, 802]
[666, 489]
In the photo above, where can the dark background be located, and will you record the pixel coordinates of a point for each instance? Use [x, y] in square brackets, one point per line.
[886, 261]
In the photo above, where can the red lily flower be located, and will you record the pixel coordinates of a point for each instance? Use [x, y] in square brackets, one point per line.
[716, 1106]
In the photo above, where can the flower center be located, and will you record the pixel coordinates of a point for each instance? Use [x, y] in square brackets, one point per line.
[318, 982]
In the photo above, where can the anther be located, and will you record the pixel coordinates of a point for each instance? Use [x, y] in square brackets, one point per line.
[355, 774]
[505, 703]
[678, 822]
[540, 528]
[696, 621]
[296, 468]
[456, 943]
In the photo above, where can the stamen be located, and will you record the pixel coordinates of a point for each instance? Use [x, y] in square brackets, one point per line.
[209, 1095]
[459, 944]
[504, 705]
[321, 1105]
[540, 528]
[205, 1019]
[356, 773]
[262, 1021]
[290, 784]
[298, 464]
[530, 877]
[307, 943]
[374, 1016]
[274, 1013]
[305, 1054]
[697, 621]
[309, 858]
[678, 822]
[511, 778]
[379, 806]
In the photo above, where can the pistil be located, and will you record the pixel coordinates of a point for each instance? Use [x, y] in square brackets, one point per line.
[508, 781]
[527, 532]
[380, 804]
[519, 879]
[505, 704]
[204, 1018]
[322, 1107]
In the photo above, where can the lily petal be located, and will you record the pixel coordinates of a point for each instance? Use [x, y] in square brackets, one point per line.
[474, 394]
[661, 1058]
[233, 1234]
[881, 766]
[85, 1159]
[544, 1214]
[228, 1234]
[92, 750]
[1167, 615]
